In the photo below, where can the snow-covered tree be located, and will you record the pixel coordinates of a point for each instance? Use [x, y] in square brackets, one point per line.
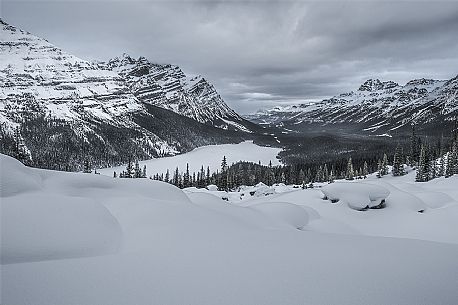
[452, 160]
[398, 166]
[331, 177]
[167, 176]
[350, 174]
[87, 166]
[365, 170]
[325, 173]
[129, 173]
[384, 165]
[422, 174]
[442, 164]
[144, 171]
[137, 170]
[301, 178]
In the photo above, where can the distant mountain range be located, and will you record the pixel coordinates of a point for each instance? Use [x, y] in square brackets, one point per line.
[113, 109]
[376, 108]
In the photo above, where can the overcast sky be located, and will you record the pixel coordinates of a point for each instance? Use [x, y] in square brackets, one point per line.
[259, 53]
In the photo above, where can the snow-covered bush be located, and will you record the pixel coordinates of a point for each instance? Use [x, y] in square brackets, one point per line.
[358, 196]
[212, 188]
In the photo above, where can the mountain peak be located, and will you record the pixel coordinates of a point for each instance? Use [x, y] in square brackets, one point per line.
[376, 84]
[421, 81]
[371, 85]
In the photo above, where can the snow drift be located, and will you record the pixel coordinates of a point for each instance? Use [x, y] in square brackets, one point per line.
[358, 196]
[39, 225]
[70, 238]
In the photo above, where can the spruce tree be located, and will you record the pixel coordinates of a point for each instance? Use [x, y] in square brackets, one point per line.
[384, 165]
[207, 178]
[137, 171]
[441, 169]
[331, 177]
[144, 171]
[202, 177]
[19, 149]
[269, 178]
[365, 170]
[379, 168]
[186, 181]
[398, 166]
[350, 174]
[176, 177]
[422, 166]
[223, 179]
[87, 166]
[129, 170]
[167, 176]
[319, 175]
[452, 160]
[325, 173]
[301, 178]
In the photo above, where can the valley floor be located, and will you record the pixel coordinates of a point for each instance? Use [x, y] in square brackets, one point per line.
[73, 238]
[206, 156]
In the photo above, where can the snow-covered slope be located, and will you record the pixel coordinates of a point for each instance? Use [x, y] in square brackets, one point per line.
[106, 110]
[413, 210]
[376, 107]
[168, 87]
[138, 241]
[37, 76]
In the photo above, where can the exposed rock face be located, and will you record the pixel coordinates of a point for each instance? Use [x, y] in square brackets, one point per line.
[168, 87]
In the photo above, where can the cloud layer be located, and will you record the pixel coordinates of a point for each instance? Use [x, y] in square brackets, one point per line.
[259, 53]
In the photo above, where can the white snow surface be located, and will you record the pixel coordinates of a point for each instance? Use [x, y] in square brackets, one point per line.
[74, 238]
[210, 155]
[357, 196]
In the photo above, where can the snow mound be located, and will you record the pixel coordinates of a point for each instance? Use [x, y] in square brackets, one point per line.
[262, 190]
[212, 188]
[23, 179]
[288, 213]
[37, 224]
[43, 226]
[434, 200]
[206, 199]
[358, 196]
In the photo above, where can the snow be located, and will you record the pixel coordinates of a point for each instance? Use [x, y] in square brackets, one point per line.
[210, 155]
[291, 214]
[74, 238]
[237, 125]
[358, 196]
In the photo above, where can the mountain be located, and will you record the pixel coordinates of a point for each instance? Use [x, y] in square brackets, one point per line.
[167, 86]
[376, 108]
[60, 109]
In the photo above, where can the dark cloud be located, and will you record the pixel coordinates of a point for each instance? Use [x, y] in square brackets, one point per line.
[259, 53]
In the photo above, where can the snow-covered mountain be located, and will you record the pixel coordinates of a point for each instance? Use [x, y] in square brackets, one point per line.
[376, 107]
[122, 107]
[35, 74]
[168, 87]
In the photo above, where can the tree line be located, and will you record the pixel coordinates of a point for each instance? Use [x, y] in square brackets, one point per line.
[430, 159]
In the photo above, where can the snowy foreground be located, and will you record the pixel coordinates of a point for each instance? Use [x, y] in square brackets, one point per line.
[82, 239]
